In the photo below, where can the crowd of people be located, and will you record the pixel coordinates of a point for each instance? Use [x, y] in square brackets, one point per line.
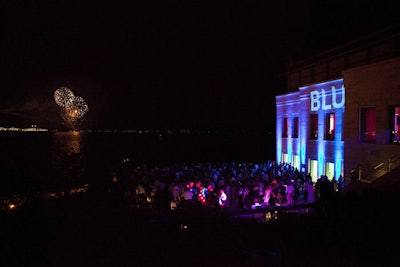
[229, 185]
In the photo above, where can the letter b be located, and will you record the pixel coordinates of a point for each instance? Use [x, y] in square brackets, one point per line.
[315, 103]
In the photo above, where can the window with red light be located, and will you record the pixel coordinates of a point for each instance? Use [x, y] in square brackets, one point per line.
[285, 127]
[368, 125]
[395, 124]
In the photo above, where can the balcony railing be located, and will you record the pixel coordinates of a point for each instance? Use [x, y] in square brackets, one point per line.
[369, 175]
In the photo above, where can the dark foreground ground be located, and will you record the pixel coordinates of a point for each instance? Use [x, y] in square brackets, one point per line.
[94, 229]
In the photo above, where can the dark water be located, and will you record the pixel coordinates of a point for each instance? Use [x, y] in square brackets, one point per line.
[45, 161]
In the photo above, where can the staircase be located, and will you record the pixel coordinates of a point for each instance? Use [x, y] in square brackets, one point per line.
[388, 181]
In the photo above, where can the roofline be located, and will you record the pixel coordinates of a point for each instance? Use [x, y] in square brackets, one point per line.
[388, 32]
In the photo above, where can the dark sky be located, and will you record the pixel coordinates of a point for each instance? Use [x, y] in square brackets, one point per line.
[166, 64]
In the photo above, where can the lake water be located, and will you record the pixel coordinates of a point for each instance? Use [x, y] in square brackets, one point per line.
[48, 161]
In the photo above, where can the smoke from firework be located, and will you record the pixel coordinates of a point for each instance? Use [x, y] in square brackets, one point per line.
[72, 108]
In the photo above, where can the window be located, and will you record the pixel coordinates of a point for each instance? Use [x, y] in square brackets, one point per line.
[285, 158]
[395, 124]
[368, 125]
[330, 170]
[295, 127]
[285, 127]
[329, 126]
[314, 126]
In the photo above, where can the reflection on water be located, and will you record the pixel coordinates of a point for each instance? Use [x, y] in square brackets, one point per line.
[69, 143]
[68, 157]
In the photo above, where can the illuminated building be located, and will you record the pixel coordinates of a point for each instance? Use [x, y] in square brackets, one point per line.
[341, 111]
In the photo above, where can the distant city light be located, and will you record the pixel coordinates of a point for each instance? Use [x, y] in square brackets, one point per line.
[33, 128]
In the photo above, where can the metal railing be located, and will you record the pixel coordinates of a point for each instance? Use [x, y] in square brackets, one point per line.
[374, 173]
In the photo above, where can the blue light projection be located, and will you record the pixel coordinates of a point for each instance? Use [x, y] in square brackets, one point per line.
[322, 99]
[278, 139]
[321, 150]
[290, 143]
[339, 144]
[284, 102]
[325, 98]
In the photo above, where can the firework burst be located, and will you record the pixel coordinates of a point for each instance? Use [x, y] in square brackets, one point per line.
[72, 108]
[63, 96]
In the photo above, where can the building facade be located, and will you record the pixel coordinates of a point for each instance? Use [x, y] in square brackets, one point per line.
[341, 113]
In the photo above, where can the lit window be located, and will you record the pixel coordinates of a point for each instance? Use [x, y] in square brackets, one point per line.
[368, 125]
[395, 124]
[330, 126]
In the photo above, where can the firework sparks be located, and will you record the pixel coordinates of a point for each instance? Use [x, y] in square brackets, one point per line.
[63, 96]
[72, 108]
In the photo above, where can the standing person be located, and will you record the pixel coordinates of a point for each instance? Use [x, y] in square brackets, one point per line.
[211, 197]
[234, 194]
[140, 196]
[175, 190]
[290, 193]
[340, 183]
[248, 199]
[305, 191]
[227, 191]
[309, 187]
[240, 196]
[267, 195]
[186, 198]
[261, 188]
[222, 198]
[192, 188]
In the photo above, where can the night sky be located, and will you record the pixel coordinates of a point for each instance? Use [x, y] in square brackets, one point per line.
[166, 64]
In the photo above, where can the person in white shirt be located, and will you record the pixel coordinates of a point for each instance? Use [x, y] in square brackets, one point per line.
[222, 198]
